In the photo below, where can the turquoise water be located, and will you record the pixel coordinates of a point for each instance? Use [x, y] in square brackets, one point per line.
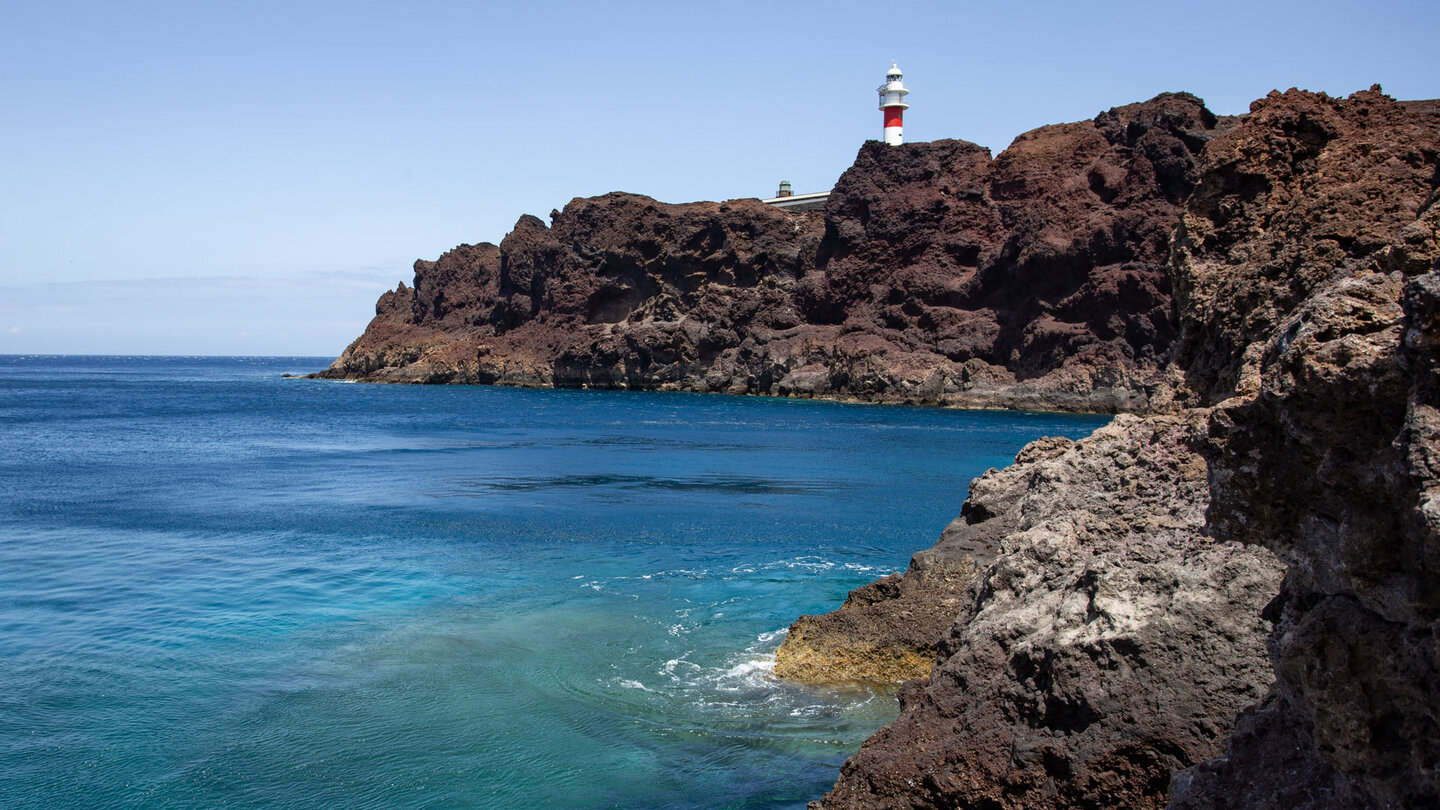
[223, 588]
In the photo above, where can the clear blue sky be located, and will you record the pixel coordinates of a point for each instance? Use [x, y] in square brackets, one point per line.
[246, 178]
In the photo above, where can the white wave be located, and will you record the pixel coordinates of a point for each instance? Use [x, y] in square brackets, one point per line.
[755, 667]
[669, 667]
[749, 670]
[810, 563]
[772, 638]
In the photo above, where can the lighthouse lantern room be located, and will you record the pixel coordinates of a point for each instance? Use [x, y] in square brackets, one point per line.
[892, 103]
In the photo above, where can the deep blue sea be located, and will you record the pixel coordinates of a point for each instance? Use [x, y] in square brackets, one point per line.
[224, 588]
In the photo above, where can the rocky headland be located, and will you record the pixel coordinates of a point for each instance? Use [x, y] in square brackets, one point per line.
[935, 274]
[1228, 597]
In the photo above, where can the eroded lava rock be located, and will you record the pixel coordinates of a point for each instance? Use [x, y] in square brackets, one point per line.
[934, 275]
[1117, 631]
[1325, 440]
[1109, 643]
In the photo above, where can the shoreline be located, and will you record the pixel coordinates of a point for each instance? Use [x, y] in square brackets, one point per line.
[987, 403]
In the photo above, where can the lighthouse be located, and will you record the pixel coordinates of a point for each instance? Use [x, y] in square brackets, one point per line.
[892, 103]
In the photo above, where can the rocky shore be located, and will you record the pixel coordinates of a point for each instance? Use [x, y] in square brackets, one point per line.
[1232, 601]
[1109, 641]
[1226, 599]
[934, 275]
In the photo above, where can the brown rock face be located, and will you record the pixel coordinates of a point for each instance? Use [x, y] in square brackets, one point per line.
[1328, 455]
[620, 292]
[1048, 263]
[1111, 641]
[934, 275]
[1303, 192]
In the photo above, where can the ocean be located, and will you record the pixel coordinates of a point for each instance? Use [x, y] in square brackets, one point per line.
[220, 587]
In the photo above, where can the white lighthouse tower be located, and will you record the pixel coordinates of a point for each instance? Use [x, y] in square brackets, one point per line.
[892, 103]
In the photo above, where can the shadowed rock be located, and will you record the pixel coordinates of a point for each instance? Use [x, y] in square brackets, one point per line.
[1325, 449]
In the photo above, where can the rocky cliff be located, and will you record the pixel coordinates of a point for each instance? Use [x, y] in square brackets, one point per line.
[935, 274]
[1324, 439]
[1117, 597]
[1228, 600]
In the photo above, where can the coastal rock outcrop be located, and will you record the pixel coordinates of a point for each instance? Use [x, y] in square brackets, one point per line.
[886, 632]
[890, 630]
[620, 291]
[1303, 421]
[935, 275]
[1109, 643]
[1041, 271]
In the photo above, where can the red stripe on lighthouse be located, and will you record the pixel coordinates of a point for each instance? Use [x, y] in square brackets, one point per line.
[892, 116]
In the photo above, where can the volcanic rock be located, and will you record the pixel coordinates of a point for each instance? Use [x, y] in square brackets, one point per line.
[1108, 644]
[1325, 448]
[619, 292]
[934, 275]
[1117, 631]
[885, 632]
[890, 630]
